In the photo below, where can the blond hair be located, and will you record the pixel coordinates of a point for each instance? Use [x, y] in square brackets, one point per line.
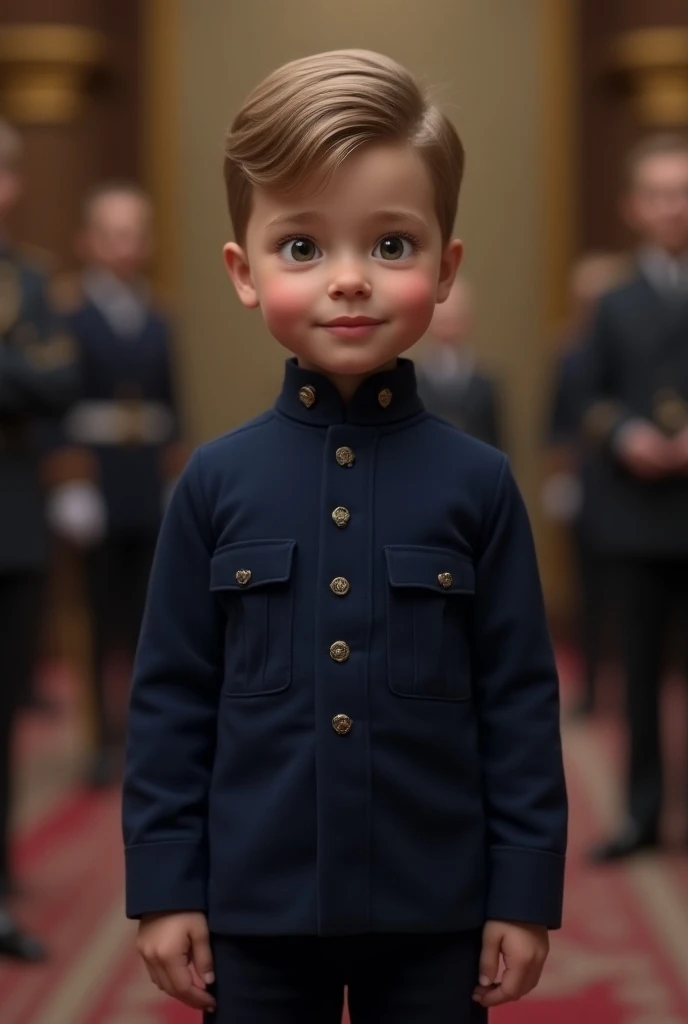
[11, 147]
[308, 116]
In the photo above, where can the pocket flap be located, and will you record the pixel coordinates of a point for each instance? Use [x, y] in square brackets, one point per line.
[248, 565]
[437, 569]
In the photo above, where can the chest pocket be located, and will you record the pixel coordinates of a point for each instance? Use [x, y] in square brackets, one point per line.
[429, 606]
[252, 579]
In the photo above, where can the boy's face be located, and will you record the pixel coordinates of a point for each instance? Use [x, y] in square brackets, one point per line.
[348, 277]
[10, 189]
[451, 321]
[657, 205]
[118, 235]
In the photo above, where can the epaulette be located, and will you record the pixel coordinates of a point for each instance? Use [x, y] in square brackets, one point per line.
[65, 292]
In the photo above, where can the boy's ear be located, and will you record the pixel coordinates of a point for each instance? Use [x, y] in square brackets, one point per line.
[449, 265]
[240, 273]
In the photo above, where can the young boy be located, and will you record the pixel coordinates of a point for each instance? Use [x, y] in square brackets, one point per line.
[344, 761]
[125, 423]
[449, 383]
[636, 509]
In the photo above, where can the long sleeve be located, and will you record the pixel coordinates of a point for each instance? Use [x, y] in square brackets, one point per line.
[517, 698]
[173, 713]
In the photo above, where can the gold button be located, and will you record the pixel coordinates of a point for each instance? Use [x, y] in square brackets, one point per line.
[340, 586]
[342, 724]
[243, 576]
[307, 396]
[345, 457]
[341, 517]
[445, 579]
[384, 397]
[339, 651]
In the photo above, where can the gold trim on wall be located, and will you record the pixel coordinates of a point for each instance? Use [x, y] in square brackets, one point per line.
[655, 63]
[160, 68]
[45, 71]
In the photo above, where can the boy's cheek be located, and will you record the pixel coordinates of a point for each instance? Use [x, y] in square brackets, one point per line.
[414, 298]
[284, 301]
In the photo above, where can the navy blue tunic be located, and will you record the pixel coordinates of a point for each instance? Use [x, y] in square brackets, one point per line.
[345, 713]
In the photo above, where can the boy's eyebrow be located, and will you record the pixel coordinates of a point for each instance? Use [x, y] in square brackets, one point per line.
[309, 216]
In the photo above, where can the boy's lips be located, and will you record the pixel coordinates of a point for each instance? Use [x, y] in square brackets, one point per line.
[352, 326]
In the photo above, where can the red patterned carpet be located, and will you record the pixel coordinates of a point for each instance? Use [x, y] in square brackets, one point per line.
[621, 959]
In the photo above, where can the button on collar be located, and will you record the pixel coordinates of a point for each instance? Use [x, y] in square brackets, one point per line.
[307, 395]
[384, 397]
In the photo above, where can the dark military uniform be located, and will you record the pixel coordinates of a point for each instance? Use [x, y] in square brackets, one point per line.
[593, 577]
[636, 367]
[126, 419]
[345, 716]
[470, 402]
[38, 379]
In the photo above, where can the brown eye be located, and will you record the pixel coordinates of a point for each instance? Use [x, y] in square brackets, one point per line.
[299, 250]
[394, 247]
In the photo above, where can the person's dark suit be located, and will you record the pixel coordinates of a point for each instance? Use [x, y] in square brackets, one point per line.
[593, 579]
[38, 379]
[636, 367]
[126, 422]
[469, 402]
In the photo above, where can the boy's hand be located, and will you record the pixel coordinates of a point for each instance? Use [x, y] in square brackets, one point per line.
[176, 950]
[524, 949]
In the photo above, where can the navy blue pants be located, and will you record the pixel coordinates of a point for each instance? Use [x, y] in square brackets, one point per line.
[391, 979]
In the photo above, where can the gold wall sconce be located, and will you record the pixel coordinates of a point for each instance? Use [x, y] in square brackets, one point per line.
[653, 62]
[46, 71]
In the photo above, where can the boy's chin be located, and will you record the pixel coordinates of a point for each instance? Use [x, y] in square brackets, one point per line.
[352, 363]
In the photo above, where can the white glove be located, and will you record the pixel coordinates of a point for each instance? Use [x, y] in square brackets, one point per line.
[76, 512]
[562, 497]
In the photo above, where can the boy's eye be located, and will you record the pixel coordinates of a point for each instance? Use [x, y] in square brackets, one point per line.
[394, 247]
[299, 250]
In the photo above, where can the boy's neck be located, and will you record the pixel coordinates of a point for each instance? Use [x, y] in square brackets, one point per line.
[346, 384]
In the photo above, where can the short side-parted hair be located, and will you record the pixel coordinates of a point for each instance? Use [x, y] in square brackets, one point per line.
[11, 147]
[658, 144]
[308, 116]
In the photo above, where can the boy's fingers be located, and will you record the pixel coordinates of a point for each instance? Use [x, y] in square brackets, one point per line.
[202, 957]
[179, 984]
[489, 959]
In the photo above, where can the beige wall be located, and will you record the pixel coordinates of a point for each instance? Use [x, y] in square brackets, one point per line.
[486, 58]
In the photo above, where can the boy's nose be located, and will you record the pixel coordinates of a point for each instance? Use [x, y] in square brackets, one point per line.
[349, 281]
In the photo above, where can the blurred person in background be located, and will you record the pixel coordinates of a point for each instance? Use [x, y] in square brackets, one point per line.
[569, 466]
[38, 378]
[121, 439]
[449, 382]
[636, 410]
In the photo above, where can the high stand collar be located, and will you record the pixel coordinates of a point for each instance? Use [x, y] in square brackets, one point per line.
[382, 399]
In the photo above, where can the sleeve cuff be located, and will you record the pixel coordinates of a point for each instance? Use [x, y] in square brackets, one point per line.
[165, 878]
[525, 886]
